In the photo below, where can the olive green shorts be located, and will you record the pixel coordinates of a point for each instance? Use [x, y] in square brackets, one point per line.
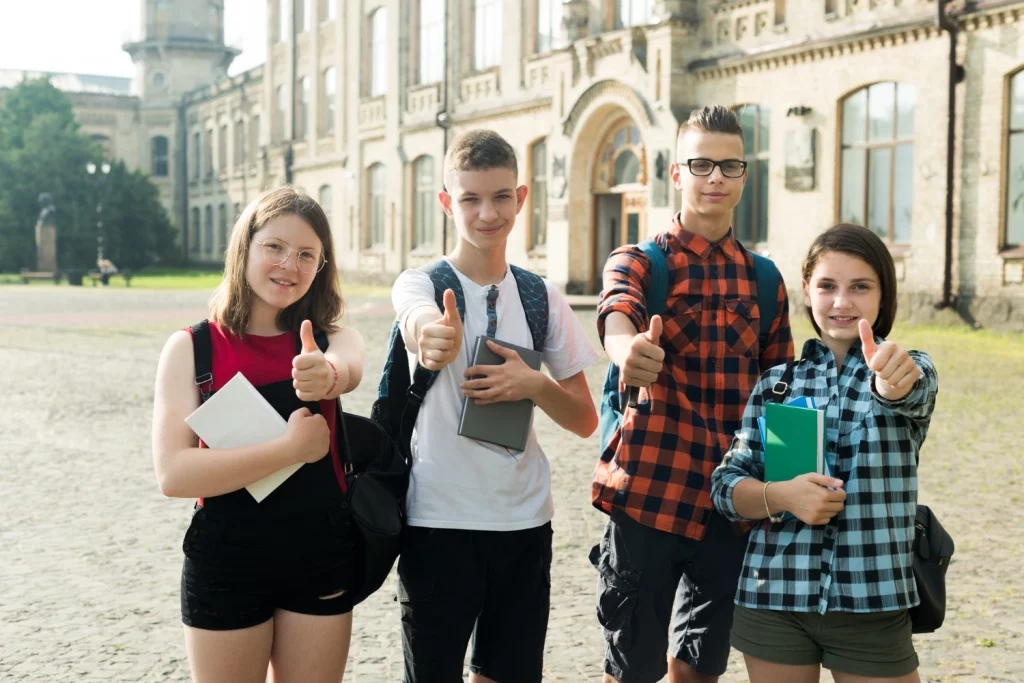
[872, 644]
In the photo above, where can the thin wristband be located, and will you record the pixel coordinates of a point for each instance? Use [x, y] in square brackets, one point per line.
[335, 382]
[764, 492]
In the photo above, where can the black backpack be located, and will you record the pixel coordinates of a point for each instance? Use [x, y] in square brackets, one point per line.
[931, 552]
[376, 475]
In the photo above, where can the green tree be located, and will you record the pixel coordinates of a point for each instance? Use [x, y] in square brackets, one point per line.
[41, 150]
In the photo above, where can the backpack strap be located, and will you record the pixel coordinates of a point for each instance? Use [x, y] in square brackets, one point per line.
[778, 392]
[767, 277]
[443, 277]
[202, 357]
[534, 295]
[656, 297]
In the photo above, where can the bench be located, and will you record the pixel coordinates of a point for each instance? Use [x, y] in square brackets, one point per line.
[27, 275]
[97, 277]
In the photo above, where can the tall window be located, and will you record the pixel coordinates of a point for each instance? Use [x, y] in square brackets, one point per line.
[238, 151]
[302, 113]
[539, 193]
[750, 220]
[378, 52]
[326, 200]
[193, 245]
[877, 164]
[330, 90]
[282, 111]
[159, 156]
[486, 34]
[238, 212]
[197, 156]
[222, 148]
[208, 152]
[432, 55]
[254, 138]
[633, 12]
[549, 25]
[305, 14]
[208, 232]
[1015, 165]
[424, 208]
[283, 10]
[328, 10]
[222, 224]
[375, 177]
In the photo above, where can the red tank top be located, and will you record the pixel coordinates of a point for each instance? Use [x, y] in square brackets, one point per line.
[261, 360]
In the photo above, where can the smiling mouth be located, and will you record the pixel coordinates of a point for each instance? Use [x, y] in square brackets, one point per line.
[496, 228]
[843, 318]
[282, 283]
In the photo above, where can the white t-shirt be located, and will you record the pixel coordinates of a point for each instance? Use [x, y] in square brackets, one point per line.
[461, 483]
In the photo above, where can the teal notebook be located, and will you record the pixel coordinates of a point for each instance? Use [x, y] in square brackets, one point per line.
[795, 442]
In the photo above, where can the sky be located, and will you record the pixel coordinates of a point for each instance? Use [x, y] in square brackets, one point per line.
[85, 36]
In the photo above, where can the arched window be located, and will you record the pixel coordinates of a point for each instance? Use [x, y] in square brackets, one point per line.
[432, 57]
[159, 156]
[1014, 228]
[193, 243]
[208, 232]
[222, 148]
[424, 207]
[486, 40]
[378, 52]
[222, 216]
[750, 219]
[282, 112]
[622, 158]
[877, 163]
[326, 200]
[238, 151]
[302, 115]
[375, 176]
[330, 91]
[538, 194]
[549, 26]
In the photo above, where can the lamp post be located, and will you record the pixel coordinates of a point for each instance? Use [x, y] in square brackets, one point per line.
[103, 170]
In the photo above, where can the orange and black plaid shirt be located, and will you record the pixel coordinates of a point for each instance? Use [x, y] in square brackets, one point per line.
[658, 467]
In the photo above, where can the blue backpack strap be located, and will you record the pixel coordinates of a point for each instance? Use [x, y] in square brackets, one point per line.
[657, 290]
[443, 276]
[768, 278]
[534, 295]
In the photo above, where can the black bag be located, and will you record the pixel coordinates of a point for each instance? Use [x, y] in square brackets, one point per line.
[930, 554]
[932, 549]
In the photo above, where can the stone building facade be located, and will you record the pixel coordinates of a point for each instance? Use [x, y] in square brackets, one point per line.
[845, 104]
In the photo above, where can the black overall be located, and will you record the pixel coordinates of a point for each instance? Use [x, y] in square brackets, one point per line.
[293, 551]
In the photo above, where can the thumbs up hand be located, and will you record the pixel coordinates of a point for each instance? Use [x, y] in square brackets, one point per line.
[646, 358]
[440, 341]
[895, 371]
[312, 376]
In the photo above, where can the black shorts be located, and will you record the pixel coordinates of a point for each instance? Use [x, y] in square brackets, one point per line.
[237, 571]
[652, 584]
[493, 586]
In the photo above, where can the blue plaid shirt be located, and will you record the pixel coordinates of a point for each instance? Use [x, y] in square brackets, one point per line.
[861, 560]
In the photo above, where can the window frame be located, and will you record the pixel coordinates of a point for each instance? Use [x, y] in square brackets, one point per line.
[329, 84]
[159, 160]
[485, 46]
[375, 193]
[429, 36]
[752, 186]
[1005, 242]
[538, 194]
[424, 220]
[377, 78]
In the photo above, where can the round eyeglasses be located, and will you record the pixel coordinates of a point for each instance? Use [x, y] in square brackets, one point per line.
[277, 253]
[731, 168]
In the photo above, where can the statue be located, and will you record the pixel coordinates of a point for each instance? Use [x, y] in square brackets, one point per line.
[46, 235]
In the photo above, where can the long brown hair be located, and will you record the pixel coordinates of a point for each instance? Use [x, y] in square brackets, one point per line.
[230, 305]
[858, 241]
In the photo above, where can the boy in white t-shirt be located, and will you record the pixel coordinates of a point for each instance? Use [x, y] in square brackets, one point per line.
[476, 554]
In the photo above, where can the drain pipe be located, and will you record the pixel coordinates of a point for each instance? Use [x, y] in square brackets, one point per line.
[956, 75]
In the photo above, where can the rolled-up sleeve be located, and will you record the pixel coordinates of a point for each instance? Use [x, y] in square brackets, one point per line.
[745, 457]
[625, 281]
[919, 404]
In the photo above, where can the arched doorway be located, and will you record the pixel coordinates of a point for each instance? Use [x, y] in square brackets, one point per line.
[620, 192]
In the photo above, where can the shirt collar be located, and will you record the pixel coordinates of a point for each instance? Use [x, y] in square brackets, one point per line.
[701, 246]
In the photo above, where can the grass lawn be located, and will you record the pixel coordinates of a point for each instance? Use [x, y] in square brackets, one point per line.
[181, 278]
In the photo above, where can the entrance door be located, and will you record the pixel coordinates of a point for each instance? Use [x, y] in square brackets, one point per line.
[634, 218]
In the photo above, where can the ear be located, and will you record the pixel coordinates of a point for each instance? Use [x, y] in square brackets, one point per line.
[446, 202]
[521, 193]
[806, 286]
[675, 171]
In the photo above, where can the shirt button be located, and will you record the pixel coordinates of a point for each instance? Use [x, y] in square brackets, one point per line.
[831, 445]
[830, 532]
[714, 271]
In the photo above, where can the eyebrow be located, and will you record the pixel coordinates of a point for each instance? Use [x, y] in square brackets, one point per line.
[503, 190]
[855, 280]
[289, 245]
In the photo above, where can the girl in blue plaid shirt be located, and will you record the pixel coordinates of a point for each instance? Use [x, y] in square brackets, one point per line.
[830, 585]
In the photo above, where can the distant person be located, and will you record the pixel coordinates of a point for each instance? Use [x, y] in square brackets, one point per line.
[107, 268]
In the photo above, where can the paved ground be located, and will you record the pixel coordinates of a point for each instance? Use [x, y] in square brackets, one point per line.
[90, 551]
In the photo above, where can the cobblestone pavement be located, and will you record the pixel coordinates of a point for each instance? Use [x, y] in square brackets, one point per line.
[90, 551]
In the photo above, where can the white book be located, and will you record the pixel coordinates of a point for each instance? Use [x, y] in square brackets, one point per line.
[238, 416]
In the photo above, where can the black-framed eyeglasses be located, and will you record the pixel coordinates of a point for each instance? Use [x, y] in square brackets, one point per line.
[731, 168]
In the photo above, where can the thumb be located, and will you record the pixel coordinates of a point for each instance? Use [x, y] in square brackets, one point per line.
[501, 351]
[306, 335]
[823, 480]
[654, 331]
[451, 311]
[302, 412]
[867, 339]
